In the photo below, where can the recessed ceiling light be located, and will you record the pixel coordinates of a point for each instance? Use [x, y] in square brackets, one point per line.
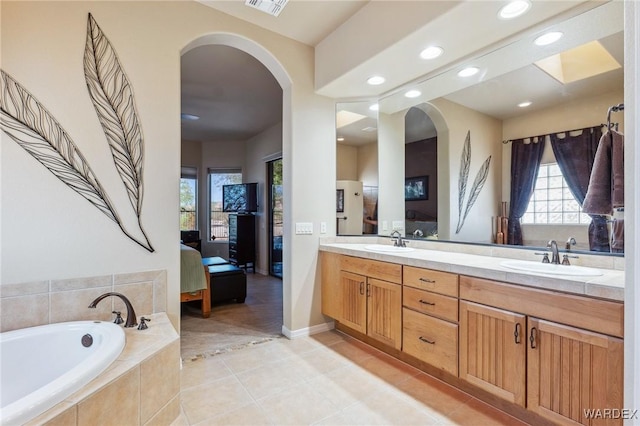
[189, 117]
[340, 139]
[431, 52]
[548, 38]
[468, 72]
[375, 80]
[524, 104]
[413, 94]
[514, 9]
[374, 107]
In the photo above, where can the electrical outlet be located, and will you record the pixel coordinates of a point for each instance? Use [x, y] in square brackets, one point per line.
[385, 225]
[323, 227]
[304, 228]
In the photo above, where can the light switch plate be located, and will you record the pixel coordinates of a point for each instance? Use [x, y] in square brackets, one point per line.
[398, 225]
[385, 225]
[304, 228]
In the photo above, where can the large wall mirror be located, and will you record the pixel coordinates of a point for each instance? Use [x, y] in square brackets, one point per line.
[454, 138]
[357, 168]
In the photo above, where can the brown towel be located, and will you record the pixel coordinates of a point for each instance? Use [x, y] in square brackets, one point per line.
[606, 184]
[617, 237]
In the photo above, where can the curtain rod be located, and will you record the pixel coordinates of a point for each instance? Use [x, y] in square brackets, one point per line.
[563, 131]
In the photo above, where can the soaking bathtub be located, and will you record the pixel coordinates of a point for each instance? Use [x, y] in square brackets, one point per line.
[41, 366]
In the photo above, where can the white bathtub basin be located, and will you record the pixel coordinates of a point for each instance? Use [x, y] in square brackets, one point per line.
[387, 248]
[43, 365]
[550, 268]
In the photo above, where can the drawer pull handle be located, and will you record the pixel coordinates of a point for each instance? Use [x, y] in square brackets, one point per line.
[516, 333]
[427, 280]
[424, 339]
[368, 290]
[362, 288]
[424, 302]
[532, 337]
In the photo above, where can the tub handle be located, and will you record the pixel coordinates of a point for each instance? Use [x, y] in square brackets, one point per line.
[143, 323]
[118, 319]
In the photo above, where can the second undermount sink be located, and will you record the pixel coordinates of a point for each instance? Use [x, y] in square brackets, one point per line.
[387, 248]
[550, 268]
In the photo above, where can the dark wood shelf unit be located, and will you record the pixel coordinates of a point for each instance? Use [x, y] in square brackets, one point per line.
[242, 240]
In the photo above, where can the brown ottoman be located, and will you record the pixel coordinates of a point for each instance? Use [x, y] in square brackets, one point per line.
[228, 282]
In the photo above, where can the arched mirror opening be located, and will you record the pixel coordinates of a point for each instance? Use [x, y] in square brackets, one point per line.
[460, 135]
[357, 168]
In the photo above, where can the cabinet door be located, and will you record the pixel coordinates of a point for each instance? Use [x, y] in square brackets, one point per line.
[384, 303]
[493, 350]
[571, 370]
[354, 301]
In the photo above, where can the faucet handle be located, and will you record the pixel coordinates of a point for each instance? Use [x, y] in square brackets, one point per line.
[143, 323]
[565, 259]
[545, 258]
[118, 319]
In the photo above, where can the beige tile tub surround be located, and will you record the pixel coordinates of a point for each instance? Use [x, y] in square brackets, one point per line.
[44, 302]
[140, 388]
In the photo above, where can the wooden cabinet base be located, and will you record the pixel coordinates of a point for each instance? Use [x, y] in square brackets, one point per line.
[509, 408]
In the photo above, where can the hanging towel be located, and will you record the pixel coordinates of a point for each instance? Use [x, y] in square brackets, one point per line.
[617, 236]
[606, 184]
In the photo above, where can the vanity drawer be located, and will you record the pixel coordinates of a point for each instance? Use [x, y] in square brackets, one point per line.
[431, 340]
[426, 279]
[430, 303]
[385, 271]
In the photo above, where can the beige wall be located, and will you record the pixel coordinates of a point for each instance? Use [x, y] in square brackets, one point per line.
[346, 162]
[368, 164]
[42, 48]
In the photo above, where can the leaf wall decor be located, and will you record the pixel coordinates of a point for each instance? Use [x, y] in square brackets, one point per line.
[30, 125]
[27, 122]
[113, 100]
[478, 183]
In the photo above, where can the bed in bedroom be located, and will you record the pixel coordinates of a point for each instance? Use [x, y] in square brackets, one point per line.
[194, 279]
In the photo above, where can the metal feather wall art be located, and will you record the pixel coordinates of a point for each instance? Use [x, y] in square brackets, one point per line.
[26, 121]
[478, 183]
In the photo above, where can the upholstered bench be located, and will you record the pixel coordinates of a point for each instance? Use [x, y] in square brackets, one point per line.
[228, 282]
[212, 261]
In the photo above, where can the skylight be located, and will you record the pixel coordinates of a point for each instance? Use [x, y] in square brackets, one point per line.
[581, 62]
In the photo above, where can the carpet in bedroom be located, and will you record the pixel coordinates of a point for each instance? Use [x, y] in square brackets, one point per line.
[233, 326]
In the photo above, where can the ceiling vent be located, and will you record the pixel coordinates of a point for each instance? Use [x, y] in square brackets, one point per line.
[272, 7]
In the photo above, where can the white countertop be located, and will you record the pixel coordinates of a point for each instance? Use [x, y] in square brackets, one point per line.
[610, 285]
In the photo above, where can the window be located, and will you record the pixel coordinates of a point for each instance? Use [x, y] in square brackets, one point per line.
[188, 198]
[552, 202]
[219, 220]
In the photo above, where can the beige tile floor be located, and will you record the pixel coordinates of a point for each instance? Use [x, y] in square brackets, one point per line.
[325, 379]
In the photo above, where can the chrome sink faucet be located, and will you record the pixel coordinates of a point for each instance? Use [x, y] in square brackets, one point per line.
[397, 237]
[131, 314]
[555, 257]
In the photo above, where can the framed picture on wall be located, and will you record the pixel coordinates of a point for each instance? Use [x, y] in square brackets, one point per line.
[340, 200]
[416, 188]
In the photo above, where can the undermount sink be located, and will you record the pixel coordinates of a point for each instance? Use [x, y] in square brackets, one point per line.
[387, 249]
[550, 268]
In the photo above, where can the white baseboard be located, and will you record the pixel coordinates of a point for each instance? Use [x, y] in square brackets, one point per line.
[308, 331]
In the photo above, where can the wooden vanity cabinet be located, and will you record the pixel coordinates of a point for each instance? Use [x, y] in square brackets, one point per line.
[430, 317]
[563, 369]
[364, 295]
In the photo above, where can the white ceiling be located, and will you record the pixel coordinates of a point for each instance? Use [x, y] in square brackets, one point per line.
[249, 108]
